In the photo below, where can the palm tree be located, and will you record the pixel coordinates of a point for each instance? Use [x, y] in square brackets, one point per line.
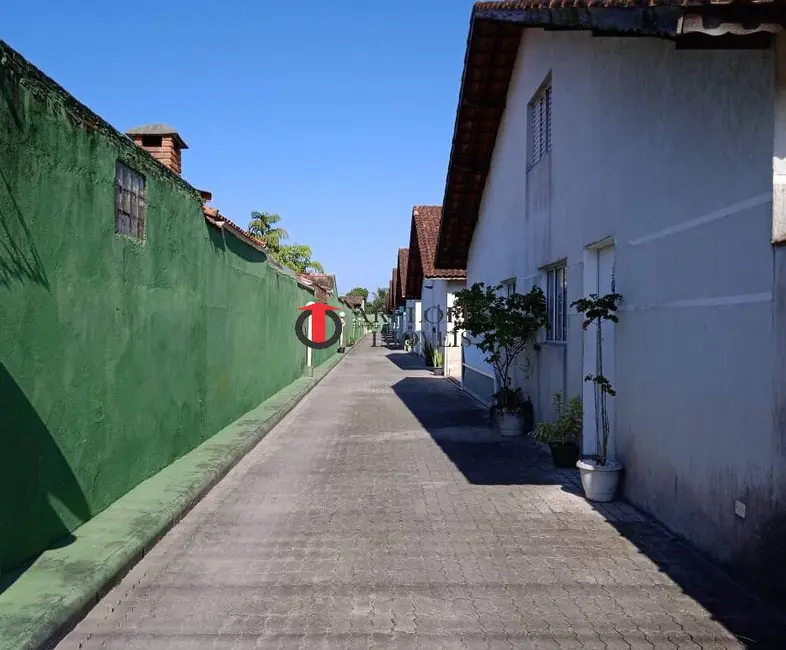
[378, 304]
[262, 227]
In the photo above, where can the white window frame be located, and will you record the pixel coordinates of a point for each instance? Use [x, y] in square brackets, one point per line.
[557, 302]
[539, 121]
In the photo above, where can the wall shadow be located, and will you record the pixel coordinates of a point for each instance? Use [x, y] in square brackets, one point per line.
[19, 258]
[33, 472]
[755, 621]
[406, 360]
[461, 428]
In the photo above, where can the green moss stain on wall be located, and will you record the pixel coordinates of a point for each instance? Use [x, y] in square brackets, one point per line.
[116, 356]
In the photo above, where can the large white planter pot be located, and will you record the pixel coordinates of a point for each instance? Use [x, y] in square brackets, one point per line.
[599, 481]
[509, 424]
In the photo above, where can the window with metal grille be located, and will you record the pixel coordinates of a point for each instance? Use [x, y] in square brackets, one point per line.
[557, 298]
[540, 125]
[509, 287]
[130, 202]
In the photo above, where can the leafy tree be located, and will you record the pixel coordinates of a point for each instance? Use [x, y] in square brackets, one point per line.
[262, 226]
[502, 327]
[359, 291]
[298, 258]
[599, 309]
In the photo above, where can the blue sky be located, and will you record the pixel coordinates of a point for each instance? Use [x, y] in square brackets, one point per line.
[338, 116]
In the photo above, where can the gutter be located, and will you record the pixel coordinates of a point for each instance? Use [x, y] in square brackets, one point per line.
[644, 20]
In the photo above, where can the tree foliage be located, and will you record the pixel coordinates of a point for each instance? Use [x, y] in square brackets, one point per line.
[298, 258]
[262, 226]
[501, 327]
[295, 256]
[359, 291]
[377, 305]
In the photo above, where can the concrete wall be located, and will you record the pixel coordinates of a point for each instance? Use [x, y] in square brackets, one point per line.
[117, 356]
[668, 153]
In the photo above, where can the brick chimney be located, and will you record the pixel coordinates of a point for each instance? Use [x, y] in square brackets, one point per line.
[162, 142]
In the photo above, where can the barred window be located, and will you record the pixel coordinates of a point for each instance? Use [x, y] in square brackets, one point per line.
[557, 297]
[540, 125]
[509, 287]
[130, 202]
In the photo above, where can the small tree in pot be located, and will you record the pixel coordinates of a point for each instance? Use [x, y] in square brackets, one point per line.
[599, 475]
[439, 361]
[562, 434]
[428, 353]
[502, 327]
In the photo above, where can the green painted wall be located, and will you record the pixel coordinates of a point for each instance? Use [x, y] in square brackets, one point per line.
[116, 356]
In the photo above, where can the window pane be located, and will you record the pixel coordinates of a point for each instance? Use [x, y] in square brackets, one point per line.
[130, 204]
[122, 223]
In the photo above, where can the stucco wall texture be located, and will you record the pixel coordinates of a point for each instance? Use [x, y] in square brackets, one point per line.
[117, 356]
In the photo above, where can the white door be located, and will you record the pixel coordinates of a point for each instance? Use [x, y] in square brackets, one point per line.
[599, 279]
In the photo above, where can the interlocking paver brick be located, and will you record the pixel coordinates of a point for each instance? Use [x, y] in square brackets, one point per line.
[383, 512]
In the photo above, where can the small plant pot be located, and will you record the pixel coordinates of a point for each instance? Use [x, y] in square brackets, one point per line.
[564, 454]
[599, 481]
[439, 371]
[509, 424]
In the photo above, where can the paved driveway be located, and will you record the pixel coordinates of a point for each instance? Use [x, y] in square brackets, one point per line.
[383, 513]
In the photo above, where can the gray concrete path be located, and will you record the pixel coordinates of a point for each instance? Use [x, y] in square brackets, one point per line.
[382, 513]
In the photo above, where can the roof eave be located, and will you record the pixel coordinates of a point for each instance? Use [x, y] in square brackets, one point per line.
[493, 27]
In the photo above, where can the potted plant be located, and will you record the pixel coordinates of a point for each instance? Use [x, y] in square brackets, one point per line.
[562, 434]
[599, 474]
[502, 327]
[428, 353]
[439, 361]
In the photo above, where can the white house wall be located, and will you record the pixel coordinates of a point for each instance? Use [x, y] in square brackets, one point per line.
[434, 298]
[668, 152]
[435, 326]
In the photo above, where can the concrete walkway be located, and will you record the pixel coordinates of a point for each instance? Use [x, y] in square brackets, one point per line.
[383, 513]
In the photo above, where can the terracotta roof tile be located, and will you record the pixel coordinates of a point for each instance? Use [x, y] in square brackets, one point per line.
[425, 221]
[395, 301]
[215, 218]
[403, 260]
[325, 280]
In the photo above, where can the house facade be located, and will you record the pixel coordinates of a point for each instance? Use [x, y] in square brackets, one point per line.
[649, 166]
[411, 315]
[435, 289]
